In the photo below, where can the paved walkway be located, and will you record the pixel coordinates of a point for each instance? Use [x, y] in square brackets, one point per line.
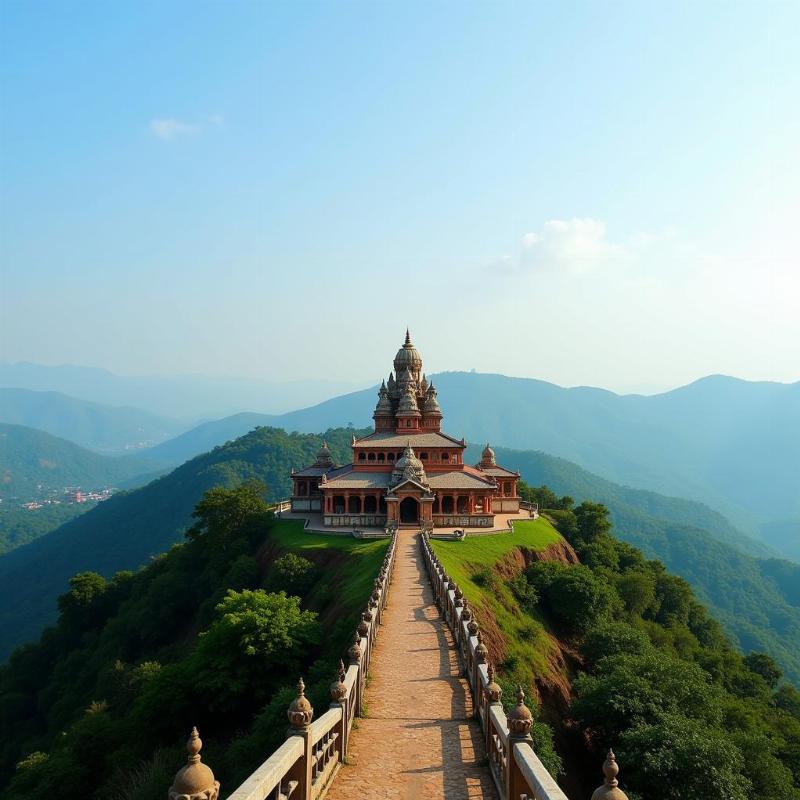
[417, 741]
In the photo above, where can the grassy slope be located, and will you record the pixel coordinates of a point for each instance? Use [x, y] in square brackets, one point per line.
[354, 577]
[526, 643]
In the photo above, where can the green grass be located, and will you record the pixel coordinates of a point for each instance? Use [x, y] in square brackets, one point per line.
[524, 638]
[354, 573]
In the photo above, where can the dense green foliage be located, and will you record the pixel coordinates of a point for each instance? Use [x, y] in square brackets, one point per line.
[687, 714]
[132, 527]
[197, 637]
[757, 600]
[105, 428]
[19, 525]
[651, 673]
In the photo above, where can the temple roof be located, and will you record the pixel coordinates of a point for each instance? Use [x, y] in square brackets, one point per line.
[417, 440]
[458, 480]
[498, 471]
[349, 479]
[317, 471]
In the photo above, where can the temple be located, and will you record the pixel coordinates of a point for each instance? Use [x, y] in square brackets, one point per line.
[407, 472]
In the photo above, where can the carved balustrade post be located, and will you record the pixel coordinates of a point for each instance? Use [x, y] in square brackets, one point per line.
[520, 721]
[300, 713]
[196, 780]
[492, 697]
[354, 656]
[481, 656]
[610, 789]
[339, 698]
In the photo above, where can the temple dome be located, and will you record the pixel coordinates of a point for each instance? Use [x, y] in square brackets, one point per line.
[384, 407]
[408, 404]
[324, 457]
[408, 467]
[407, 357]
[487, 457]
[431, 405]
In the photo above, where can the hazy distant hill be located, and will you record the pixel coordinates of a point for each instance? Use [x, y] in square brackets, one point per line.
[732, 444]
[103, 428]
[37, 466]
[754, 597]
[33, 462]
[186, 397]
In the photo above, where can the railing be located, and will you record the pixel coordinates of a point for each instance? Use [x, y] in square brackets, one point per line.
[531, 508]
[515, 768]
[305, 764]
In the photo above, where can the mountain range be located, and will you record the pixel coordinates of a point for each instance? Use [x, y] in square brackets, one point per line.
[185, 397]
[104, 428]
[753, 596]
[731, 444]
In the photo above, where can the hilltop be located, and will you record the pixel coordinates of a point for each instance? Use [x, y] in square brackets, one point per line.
[752, 595]
[731, 444]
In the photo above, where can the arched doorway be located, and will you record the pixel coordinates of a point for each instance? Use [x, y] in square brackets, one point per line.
[409, 510]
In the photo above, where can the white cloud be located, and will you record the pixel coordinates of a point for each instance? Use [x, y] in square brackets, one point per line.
[168, 128]
[575, 245]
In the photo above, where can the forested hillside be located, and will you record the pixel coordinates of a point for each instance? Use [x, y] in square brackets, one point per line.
[214, 633]
[32, 463]
[109, 429]
[123, 533]
[132, 527]
[756, 608]
[618, 651]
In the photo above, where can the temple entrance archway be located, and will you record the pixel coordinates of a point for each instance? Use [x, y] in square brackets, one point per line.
[409, 510]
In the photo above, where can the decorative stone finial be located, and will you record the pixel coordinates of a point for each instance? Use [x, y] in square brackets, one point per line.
[338, 689]
[610, 789]
[493, 690]
[363, 626]
[520, 718]
[354, 653]
[195, 781]
[300, 712]
[481, 651]
[472, 626]
[466, 614]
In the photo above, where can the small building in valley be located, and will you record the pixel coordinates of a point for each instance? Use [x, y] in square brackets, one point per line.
[407, 472]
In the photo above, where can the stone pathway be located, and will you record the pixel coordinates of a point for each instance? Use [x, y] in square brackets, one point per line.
[417, 740]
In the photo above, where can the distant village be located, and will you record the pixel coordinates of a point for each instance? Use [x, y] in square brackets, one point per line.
[68, 495]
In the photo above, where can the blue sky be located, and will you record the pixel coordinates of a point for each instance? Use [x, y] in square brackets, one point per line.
[589, 193]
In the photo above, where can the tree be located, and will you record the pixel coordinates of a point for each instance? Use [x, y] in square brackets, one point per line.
[223, 515]
[614, 639]
[254, 633]
[292, 574]
[675, 758]
[577, 597]
[637, 590]
[627, 690]
[81, 607]
[765, 666]
[593, 521]
[674, 599]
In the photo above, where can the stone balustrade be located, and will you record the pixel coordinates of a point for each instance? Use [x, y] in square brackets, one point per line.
[305, 764]
[517, 771]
